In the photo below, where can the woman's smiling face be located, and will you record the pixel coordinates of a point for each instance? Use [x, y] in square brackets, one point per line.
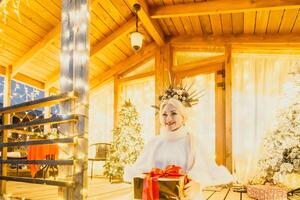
[171, 118]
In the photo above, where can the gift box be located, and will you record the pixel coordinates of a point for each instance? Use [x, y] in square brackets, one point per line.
[266, 192]
[160, 184]
[169, 188]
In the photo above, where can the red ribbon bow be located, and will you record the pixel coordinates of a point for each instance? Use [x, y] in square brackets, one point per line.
[150, 184]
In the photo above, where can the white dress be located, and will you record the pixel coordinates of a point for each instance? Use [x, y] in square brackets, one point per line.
[183, 149]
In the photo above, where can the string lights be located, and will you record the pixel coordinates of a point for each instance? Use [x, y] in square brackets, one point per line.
[4, 8]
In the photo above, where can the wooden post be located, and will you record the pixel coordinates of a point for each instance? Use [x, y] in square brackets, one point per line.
[6, 120]
[116, 99]
[220, 117]
[163, 75]
[47, 112]
[74, 77]
[228, 108]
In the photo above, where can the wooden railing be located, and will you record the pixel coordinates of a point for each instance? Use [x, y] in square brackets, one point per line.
[5, 128]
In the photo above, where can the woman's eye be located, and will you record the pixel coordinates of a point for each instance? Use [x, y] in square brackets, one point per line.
[174, 113]
[164, 115]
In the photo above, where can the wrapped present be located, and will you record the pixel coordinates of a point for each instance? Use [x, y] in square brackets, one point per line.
[266, 192]
[160, 184]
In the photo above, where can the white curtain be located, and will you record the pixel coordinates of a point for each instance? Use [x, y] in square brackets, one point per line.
[257, 83]
[142, 95]
[101, 116]
[202, 115]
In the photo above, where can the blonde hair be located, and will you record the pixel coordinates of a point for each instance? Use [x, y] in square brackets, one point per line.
[177, 104]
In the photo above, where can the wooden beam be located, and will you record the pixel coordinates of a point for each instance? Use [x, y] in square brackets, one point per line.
[200, 70]
[200, 63]
[117, 34]
[38, 142]
[39, 103]
[36, 49]
[53, 78]
[150, 25]
[30, 81]
[52, 120]
[136, 67]
[221, 7]
[125, 65]
[228, 108]
[25, 79]
[136, 77]
[283, 41]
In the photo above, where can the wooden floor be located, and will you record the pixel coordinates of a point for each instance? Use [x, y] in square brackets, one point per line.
[101, 189]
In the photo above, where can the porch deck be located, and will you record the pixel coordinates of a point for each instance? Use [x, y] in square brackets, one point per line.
[101, 189]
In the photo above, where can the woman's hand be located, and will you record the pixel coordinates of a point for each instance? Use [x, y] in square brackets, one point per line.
[191, 189]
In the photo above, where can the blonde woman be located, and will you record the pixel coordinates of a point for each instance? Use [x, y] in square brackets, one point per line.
[177, 145]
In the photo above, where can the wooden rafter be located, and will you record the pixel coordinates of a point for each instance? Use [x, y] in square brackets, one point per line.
[37, 48]
[125, 65]
[123, 30]
[220, 7]
[150, 25]
[25, 79]
[52, 79]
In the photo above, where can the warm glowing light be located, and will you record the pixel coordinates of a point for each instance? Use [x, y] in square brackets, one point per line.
[4, 6]
[136, 39]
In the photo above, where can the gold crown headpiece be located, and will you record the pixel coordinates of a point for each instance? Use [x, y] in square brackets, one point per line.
[182, 94]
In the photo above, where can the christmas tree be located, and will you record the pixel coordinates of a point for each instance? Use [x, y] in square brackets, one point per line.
[281, 149]
[127, 142]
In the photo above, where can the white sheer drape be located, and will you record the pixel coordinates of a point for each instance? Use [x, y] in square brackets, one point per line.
[257, 83]
[142, 95]
[101, 117]
[101, 114]
[202, 116]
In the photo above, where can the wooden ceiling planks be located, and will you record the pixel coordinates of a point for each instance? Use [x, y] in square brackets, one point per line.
[111, 10]
[109, 16]
[29, 13]
[274, 22]
[237, 23]
[249, 22]
[216, 24]
[206, 25]
[37, 7]
[196, 25]
[296, 27]
[262, 18]
[289, 17]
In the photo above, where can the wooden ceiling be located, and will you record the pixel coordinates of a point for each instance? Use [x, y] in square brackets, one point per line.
[31, 43]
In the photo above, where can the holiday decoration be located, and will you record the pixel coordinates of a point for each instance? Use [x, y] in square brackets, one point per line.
[182, 94]
[266, 192]
[281, 149]
[127, 142]
[160, 184]
[4, 5]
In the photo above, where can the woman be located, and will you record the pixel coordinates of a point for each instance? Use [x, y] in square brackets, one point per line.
[176, 145]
